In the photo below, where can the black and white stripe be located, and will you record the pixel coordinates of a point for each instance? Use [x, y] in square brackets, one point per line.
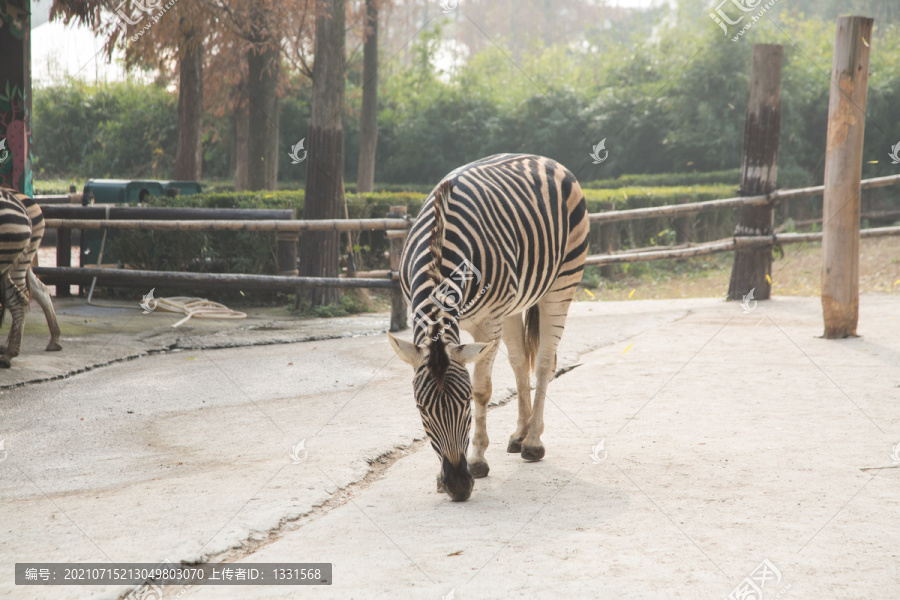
[520, 222]
[21, 231]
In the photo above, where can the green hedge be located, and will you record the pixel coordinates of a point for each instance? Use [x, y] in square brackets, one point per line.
[787, 178]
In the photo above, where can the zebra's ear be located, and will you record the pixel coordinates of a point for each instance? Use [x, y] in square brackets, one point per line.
[407, 351]
[468, 353]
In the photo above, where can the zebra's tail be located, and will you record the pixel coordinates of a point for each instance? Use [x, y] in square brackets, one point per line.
[532, 335]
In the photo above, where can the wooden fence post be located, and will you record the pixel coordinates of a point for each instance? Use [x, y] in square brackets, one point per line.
[397, 238]
[287, 243]
[759, 168]
[63, 257]
[843, 170]
[609, 236]
[684, 226]
[287, 252]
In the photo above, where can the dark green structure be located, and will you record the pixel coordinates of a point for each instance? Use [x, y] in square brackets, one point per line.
[122, 191]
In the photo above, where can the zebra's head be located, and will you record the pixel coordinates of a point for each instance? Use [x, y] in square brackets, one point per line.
[443, 391]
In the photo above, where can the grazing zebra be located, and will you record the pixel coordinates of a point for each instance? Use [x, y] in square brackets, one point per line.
[21, 230]
[498, 250]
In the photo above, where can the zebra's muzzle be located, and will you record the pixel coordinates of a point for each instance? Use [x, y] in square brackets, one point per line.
[456, 479]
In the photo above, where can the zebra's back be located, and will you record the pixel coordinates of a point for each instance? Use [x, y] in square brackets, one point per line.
[518, 222]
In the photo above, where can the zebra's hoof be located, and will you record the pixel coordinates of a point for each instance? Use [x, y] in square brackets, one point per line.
[440, 485]
[479, 469]
[532, 453]
[514, 446]
[4, 363]
[53, 347]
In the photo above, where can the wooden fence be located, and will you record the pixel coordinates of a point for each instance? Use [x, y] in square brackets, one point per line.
[396, 228]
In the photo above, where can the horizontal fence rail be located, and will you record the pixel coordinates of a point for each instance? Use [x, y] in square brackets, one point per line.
[681, 210]
[164, 213]
[277, 225]
[231, 281]
[727, 245]
[48, 199]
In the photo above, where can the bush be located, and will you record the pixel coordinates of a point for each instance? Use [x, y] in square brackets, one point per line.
[114, 130]
[787, 178]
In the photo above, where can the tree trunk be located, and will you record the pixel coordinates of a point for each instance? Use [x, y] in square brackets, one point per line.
[189, 155]
[368, 118]
[241, 144]
[263, 123]
[759, 168]
[324, 180]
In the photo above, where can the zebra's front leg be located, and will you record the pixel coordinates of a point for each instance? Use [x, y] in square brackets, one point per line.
[482, 388]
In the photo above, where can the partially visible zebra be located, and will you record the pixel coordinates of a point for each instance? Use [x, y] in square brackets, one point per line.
[21, 231]
[497, 240]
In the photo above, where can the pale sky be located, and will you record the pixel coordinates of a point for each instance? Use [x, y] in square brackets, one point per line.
[58, 52]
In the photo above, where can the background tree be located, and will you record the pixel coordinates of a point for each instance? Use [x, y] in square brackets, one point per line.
[189, 155]
[325, 166]
[368, 117]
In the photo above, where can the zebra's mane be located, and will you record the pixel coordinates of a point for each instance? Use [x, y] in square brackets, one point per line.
[438, 361]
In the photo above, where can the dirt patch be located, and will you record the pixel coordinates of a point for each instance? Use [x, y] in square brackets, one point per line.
[797, 273]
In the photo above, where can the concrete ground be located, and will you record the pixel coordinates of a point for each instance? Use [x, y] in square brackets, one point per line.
[691, 442]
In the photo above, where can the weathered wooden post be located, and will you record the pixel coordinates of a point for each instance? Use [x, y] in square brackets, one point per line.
[684, 226]
[759, 169]
[397, 238]
[15, 111]
[286, 242]
[64, 248]
[609, 236]
[63, 257]
[287, 253]
[843, 170]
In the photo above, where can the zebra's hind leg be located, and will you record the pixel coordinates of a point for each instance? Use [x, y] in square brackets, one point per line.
[482, 388]
[42, 295]
[16, 300]
[514, 338]
[554, 309]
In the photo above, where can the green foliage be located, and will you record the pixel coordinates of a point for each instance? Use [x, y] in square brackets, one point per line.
[591, 277]
[115, 130]
[787, 178]
[669, 96]
[640, 197]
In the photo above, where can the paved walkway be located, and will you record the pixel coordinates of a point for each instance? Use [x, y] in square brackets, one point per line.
[727, 439]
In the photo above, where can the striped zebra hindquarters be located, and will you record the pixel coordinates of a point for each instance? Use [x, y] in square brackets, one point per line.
[21, 231]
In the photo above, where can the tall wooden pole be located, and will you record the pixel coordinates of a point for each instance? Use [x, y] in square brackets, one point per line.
[15, 96]
[398, 301]
[843, 170]
[759, 169]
